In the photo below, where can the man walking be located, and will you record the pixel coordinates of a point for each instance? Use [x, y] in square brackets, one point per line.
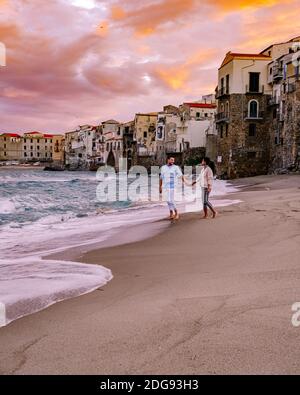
[170, 173]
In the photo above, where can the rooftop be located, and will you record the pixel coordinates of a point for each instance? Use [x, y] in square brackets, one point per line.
[243, 56]
[10, 135]
[201, 105]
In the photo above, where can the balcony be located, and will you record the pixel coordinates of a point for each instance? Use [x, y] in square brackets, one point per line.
[224, 91]
[277, 73]
[222, 117]
[273, 101]
[255, 91]
[254, 117]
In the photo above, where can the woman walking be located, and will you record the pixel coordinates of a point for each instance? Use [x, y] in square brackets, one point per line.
[206, 182]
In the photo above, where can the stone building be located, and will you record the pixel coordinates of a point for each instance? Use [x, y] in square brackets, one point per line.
[284, 76]
[243, 120]
[145, 133]
[129, 145]
[112, 132]
[58, 154]
[11, 147]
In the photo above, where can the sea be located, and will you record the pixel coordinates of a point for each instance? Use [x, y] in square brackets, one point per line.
[42, 213]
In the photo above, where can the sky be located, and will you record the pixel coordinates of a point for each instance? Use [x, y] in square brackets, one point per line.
[75, 62]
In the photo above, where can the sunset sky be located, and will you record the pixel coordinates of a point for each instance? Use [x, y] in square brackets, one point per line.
[72, 62]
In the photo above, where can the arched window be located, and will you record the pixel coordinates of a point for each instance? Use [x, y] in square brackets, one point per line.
[253, 109]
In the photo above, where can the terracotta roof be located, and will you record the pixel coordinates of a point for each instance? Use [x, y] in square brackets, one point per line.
[10, 135]
[201, 105]
[49, 136]
[243, 56]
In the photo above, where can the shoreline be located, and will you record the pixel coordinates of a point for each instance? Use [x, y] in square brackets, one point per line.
[200, 297]
[30, 167]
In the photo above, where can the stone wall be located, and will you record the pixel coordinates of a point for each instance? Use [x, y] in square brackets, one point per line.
[242, 155]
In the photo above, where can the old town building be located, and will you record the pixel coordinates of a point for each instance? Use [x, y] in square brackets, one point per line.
[242, 119]
[11, 147]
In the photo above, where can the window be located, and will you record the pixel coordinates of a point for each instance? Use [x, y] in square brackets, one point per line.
[197, 114]
[79, 155]
[31, 141]
[145, 135]
[38, 154]
[227, 83]
[24, 140]
[25, 154]
[4, 146]
[206, 115]
[227, 128]
[4, 138]
[25, 147]
[251, 155]
[46, 140]
[254, 82]
[252, 130]
[38, 147]
[31, 154]
[253, 109]
[38, 141]
[31, 147]
[47, 154]
[271, 70]
[227, 109]
[4, 153]
[222, 86]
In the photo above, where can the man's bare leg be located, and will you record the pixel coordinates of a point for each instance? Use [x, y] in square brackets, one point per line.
[172, 215]
[176, 215]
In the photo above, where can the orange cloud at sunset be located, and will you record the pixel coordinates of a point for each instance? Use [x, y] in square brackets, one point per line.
[145, 20]
[242, 4]
[68, 64]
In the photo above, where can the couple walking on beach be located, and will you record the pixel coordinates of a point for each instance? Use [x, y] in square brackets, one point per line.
[170, 173]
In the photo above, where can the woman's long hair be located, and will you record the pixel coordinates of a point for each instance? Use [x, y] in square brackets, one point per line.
[211, 164]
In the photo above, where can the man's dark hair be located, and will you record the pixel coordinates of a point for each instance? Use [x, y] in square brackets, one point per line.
[169, 157]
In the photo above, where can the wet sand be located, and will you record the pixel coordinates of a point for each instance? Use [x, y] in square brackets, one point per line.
[203, 296]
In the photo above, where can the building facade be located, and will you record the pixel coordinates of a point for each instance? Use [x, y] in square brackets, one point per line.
[11, 147]
[243, 146]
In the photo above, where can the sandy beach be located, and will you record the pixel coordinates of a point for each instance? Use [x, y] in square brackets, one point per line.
[200, 297]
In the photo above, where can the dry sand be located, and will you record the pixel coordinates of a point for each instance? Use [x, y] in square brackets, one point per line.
[204, 296]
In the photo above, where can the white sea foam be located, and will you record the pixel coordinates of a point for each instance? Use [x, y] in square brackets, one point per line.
[32, 284]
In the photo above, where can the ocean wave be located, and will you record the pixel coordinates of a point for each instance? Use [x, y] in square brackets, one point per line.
[7, 206]
[32, 284]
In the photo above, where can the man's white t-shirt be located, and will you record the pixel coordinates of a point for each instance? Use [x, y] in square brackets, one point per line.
[170, 175]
